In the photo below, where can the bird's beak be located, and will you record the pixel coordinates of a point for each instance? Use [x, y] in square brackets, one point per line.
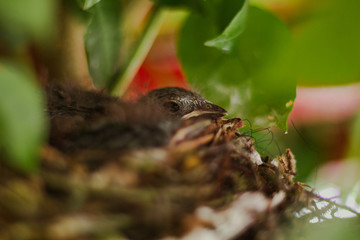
[208, 110]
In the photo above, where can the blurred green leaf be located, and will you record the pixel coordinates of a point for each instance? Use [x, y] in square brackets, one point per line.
[234, 29]
[87, 4]
[193, 4]
[22, 118]
[332, 229]
[327, 49]
[102, 41]
[249, 81]
[21, 20]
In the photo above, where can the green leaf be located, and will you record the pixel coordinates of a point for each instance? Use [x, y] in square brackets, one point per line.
[22, 20]
[102, 41]
[233, 30]
[249, 81]
[22, 117]
[327, 49]
[193, 4]
[87, 4]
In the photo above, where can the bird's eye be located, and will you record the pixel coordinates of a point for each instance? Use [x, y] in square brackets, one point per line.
[172, 106]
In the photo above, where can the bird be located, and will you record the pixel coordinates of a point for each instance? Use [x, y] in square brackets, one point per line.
[181, 103]
[85, 119]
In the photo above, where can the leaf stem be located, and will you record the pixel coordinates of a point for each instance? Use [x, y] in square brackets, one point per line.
[142, 47]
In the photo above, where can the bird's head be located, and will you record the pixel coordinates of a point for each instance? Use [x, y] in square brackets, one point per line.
[181, 103]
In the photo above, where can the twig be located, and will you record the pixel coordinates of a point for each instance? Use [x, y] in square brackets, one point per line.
[123, 80]
[338, 205]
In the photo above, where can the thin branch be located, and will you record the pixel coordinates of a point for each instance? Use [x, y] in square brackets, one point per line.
[338, 205]
[123, 80]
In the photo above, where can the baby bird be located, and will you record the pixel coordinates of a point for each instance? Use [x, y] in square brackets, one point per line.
[93, 120]
[181, 103]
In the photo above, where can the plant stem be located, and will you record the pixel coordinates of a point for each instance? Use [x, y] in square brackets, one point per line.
[123, 80]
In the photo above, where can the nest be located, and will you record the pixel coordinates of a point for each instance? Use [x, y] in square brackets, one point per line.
[207, 182]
